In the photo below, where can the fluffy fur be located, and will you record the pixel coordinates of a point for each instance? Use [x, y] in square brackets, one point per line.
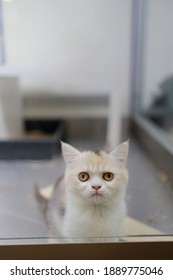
[88, 204]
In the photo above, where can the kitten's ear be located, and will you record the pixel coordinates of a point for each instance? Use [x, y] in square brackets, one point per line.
[120, 154]
[70, 154]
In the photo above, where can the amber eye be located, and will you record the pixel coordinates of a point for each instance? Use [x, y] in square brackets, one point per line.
[108, 176]
[83, 176]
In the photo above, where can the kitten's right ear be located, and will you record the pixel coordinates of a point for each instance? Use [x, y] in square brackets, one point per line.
[120, 154]
[70, 154]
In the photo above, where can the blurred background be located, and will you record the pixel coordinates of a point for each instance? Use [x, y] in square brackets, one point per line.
[67, 59]
[93, 73]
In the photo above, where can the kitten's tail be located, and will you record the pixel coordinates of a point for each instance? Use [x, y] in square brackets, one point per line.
[42, 200]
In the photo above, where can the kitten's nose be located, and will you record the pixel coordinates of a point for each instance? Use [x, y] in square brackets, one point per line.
[96, 187]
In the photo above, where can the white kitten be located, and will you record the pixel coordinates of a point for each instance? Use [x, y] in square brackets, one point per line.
[88, 203]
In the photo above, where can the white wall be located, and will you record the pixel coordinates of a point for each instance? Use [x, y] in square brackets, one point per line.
[159, 47]
[71, 45]
[10, 108]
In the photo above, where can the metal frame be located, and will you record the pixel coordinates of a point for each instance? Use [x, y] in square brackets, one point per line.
[138, 41]
[97, 251]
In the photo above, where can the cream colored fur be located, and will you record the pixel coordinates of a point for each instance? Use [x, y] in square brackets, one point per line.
[77, 212]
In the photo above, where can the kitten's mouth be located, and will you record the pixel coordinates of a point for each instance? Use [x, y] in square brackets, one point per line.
[97, 194]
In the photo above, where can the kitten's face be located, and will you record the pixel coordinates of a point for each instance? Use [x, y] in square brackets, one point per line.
[93, 177]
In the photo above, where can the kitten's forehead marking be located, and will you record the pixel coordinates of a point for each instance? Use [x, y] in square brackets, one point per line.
[95, 161]
[95, 157]
[97, 152]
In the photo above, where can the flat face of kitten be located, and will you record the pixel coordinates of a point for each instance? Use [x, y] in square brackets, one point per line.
[96, 177]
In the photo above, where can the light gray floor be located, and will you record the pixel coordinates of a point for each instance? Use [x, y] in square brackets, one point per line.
[149, 194]
[148, 198]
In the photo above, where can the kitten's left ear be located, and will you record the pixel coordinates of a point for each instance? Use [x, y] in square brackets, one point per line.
[70, 154]
[120, 154]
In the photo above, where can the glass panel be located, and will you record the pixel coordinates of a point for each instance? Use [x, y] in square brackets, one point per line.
[65, 75]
